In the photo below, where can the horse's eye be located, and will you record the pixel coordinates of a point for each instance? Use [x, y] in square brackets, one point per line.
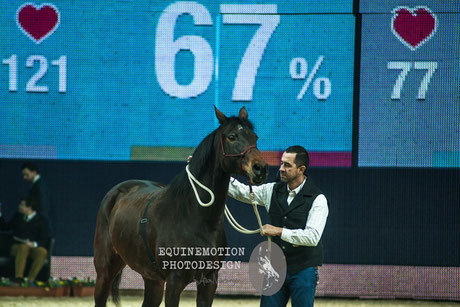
[232, 137]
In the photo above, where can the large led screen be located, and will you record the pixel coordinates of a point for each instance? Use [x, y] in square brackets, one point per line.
[92, 80]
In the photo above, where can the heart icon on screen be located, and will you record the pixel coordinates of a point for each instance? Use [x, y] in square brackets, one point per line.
[37, 22]
[413, 27]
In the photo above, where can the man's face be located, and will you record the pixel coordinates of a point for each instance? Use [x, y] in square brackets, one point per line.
[288, 169]
[28, 174]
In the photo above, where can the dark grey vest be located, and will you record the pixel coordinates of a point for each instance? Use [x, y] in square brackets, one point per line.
[295, 216]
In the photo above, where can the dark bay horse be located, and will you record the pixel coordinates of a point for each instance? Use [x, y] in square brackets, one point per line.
[137, 220]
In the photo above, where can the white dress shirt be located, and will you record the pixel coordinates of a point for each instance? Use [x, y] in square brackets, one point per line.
[35, 179]
[317, 216]
[27, 218]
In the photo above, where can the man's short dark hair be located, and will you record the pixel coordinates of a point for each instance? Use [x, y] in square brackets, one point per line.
[301, 157]
[30, 202]
[30, 166]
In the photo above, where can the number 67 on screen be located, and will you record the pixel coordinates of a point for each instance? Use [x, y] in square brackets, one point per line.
[166, 48]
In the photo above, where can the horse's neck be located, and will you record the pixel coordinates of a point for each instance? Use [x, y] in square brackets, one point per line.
[215, 179]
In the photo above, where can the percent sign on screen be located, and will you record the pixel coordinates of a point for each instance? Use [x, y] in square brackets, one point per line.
[298, 69]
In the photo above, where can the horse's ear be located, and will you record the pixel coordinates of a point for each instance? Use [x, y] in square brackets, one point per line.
[220, 116]
[243, 113]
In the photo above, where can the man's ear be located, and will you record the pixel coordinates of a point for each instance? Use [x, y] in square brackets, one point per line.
[303, 168]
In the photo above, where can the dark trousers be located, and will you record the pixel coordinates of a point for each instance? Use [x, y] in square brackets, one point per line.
[300, 287]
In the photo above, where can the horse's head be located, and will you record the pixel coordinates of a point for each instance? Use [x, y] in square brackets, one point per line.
[238, 147]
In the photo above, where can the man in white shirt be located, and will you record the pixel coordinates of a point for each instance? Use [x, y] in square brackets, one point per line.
[298, 212]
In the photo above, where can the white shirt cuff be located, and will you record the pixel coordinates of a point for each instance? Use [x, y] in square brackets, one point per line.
[286, 234]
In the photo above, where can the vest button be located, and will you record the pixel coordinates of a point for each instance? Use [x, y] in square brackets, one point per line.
[285, 217]
[283, 247]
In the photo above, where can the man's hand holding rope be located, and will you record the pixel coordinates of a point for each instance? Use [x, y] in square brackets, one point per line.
[270, 230]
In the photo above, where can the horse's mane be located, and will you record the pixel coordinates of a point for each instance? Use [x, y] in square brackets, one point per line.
[201, 157]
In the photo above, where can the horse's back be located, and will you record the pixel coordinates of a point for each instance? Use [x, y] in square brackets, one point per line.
[115, 194]
[142, 189]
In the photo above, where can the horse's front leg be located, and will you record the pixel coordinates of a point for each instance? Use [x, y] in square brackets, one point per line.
[175, 284]
[206, 289]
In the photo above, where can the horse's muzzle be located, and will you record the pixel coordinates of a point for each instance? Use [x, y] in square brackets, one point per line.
[260, 172]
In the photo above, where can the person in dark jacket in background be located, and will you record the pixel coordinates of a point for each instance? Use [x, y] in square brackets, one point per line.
[38, 189]
[30, 237]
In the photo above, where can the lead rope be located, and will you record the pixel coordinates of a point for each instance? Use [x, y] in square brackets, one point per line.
[227, 212]
[240, 228]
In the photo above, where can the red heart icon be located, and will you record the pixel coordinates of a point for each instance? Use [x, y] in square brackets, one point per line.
[413, 27]
[37, 22]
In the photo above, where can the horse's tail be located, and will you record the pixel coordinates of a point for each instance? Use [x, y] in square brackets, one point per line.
[115, 288]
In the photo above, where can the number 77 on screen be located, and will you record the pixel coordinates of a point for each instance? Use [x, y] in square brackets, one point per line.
[405, 68]
[166, 48]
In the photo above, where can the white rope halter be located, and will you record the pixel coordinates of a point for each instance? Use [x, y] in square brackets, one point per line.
[192, 179]
[227, 212]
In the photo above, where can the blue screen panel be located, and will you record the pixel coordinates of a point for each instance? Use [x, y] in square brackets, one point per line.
[92, 80]
[409, 92]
